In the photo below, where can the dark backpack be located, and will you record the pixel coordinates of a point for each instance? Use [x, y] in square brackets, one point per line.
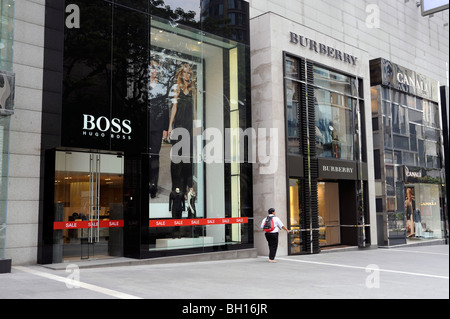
[269, 225]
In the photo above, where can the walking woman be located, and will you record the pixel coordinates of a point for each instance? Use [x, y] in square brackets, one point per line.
[272, 237]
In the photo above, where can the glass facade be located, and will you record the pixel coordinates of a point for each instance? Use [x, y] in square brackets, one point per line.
[292, 73]
[6, 94]
[336, 120]
[408, 167]
[325, 149]
[197, 91]
[88, 205]
[336, 96]
[153, 109]
[228, 18]
[6, 34]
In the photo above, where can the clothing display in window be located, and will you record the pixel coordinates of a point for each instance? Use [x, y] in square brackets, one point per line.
[191, 204]
[176, 203]
[417, 223]
[176, 206]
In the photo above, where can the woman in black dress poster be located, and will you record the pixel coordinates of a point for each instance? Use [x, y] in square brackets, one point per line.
[182, 116]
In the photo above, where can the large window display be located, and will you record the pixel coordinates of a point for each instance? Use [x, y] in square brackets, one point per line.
[197, 110]
[422, 211]
[335, 96]
[176, 103]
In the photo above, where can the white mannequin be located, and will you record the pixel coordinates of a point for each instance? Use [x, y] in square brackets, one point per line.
[190, 195]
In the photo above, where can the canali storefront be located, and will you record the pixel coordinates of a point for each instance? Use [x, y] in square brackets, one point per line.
[408, 152]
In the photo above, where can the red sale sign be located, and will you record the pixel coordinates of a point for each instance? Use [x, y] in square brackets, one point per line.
[88, 224]
[197, 222]
[152, 223]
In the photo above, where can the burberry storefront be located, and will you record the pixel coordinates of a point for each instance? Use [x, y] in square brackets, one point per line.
[314, 90]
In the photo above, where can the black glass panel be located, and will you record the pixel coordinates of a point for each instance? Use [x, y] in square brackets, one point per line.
[87, 77]
[229, 19]
[140, 5]
[105, 78]
[129, 79]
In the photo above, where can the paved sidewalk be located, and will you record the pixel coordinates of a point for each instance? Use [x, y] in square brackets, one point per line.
[407, 272]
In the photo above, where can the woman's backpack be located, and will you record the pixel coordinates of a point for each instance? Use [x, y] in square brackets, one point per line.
[269, 225]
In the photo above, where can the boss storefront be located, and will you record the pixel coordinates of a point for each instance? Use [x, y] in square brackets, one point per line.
[148, 103]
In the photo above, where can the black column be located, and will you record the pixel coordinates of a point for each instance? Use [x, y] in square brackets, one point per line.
[50, 124]
[310, 221]
[136, 206]
[348, 212]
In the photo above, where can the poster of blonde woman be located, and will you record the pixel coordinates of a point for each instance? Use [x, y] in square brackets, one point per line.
[410, 206]
[175, 177]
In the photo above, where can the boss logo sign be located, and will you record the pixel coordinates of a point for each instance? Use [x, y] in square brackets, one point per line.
[103, 127]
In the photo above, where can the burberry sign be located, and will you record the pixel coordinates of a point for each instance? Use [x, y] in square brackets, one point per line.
[337, 169]
[321, 48]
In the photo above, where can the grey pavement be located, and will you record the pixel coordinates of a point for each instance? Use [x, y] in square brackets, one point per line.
[408, 272]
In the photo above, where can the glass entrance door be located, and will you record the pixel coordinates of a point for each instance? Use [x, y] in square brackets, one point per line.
[88, 206]
[329, 219]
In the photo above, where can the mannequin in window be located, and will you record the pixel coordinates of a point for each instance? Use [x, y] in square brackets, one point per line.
[176, 206]
[192, 213]
[417, 222]
[336, 145]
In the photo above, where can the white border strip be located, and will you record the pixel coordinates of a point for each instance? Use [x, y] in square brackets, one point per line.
[364, 268]
[414, 251]
[98, 289]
